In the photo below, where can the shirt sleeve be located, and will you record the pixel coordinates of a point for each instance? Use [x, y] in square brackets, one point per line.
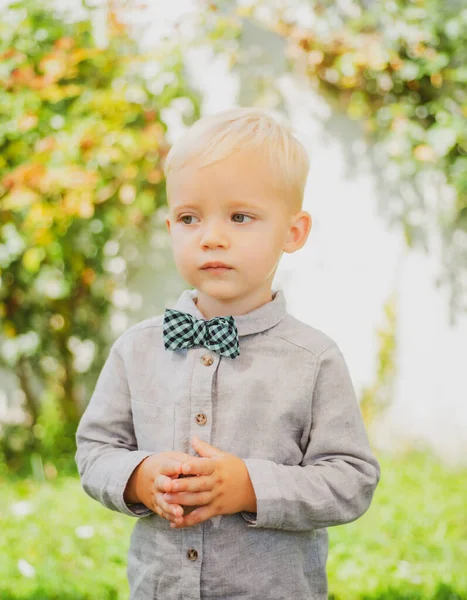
[337, 477]
[107, 451]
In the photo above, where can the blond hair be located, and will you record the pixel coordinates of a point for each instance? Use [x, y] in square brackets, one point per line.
[217, 136]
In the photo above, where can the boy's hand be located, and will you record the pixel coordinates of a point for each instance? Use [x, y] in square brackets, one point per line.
[221, 486]
[152, 477]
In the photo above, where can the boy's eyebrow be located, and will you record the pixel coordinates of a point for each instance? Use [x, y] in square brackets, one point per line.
[232, 203]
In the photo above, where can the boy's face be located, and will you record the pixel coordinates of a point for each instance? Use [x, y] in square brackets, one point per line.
[235, 212]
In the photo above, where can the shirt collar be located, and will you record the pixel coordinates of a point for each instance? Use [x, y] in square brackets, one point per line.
[255, 321]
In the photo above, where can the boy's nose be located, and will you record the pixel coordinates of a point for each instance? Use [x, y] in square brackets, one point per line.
[214, 235]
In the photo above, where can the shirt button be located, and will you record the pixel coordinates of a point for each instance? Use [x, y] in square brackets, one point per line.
[207, 360]
[192, 554]
[201, 419]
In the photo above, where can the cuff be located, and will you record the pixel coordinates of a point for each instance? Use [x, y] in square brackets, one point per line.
[250, 517]
[139, 510]
[119, 482]
[268, 496]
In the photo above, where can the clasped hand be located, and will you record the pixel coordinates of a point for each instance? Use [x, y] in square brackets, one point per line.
[220, 485]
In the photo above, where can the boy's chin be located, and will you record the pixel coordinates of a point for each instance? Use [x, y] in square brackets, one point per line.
[219, 290]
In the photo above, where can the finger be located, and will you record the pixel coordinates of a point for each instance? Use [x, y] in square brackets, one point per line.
[188, 498]
[199, 466]
[169, 466]
[167, 516]
[201, 483]
[173, 509]
[180, 456]
[163, 483]
[163, 514]
[197, 516]
[203, 448]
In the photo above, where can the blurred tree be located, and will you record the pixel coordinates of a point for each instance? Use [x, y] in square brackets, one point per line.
[81, 146]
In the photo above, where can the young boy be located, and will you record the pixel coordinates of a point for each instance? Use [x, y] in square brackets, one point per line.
[227, 427]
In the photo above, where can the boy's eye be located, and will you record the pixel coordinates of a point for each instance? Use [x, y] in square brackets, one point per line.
[235, 215]
[186, 217]
[242, 215]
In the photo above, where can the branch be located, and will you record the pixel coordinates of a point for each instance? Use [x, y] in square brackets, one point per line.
[25, 384]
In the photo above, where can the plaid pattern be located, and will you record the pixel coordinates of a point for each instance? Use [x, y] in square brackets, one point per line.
[182, 330]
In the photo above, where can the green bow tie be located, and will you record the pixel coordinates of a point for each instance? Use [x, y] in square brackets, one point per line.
[182, 330]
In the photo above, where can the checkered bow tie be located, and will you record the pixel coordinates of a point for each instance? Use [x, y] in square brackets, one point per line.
[182, 330]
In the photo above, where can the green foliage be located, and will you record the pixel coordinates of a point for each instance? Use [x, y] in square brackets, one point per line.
[410, 545]
[40, 450]
[377, 397]
[412, 542]
[399, 66]
[82, 143]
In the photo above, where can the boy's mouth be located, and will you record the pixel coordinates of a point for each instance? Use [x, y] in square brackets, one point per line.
[217, 270]
[216, 266]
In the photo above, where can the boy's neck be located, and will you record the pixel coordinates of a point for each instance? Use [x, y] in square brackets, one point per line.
[212, 307]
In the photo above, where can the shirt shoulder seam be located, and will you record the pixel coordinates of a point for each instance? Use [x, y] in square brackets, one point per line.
[316, 355]
[119, 341]
[136, 328]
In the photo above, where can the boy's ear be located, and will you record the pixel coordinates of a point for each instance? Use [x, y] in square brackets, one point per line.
[167, 223]
[299, 230]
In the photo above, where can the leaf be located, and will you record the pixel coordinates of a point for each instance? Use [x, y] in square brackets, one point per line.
[18, 199]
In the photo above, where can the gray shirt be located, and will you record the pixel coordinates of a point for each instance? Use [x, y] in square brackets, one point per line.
[286, 406]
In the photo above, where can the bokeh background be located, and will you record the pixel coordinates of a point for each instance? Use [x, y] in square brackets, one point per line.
[92, 95]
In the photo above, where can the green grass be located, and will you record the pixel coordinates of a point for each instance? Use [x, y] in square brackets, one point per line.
[410, 545]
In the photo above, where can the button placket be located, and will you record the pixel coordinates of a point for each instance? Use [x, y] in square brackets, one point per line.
[192, 541]
[204, 371]
[200, 396]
